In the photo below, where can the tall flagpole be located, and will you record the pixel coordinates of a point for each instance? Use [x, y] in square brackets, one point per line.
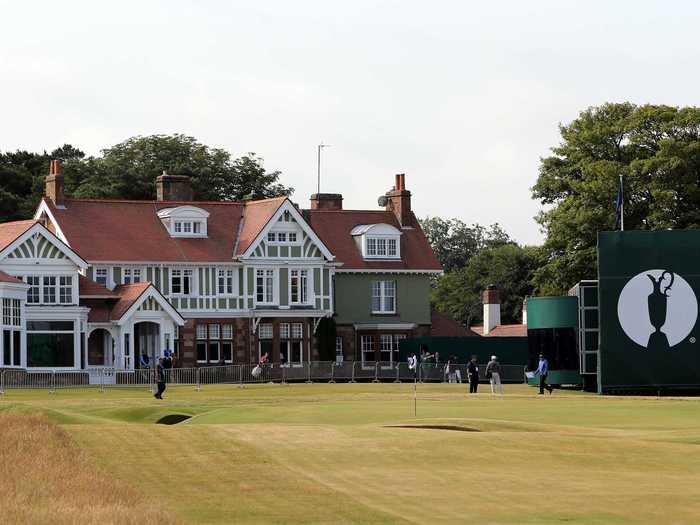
[622, 205]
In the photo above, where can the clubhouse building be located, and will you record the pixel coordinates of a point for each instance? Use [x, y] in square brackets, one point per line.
[114, 283]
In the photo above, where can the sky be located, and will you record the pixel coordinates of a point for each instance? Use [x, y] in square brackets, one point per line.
[465, 98]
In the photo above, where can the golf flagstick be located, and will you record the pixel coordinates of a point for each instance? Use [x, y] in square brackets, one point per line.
[415, 408]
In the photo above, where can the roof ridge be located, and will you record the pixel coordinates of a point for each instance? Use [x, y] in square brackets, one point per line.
[142, 201]
[260, 201]
[350, 211]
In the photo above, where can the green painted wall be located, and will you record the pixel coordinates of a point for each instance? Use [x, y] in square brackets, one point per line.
[353, 298]
[284, 287]
[552, 312]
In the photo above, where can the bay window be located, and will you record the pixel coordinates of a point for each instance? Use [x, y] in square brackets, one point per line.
[384, 297]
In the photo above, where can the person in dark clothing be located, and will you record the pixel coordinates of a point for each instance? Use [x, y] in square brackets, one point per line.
[167, 360]
[473, 373]
[160, 379]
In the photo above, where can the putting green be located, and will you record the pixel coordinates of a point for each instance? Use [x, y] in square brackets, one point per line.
[342, 453]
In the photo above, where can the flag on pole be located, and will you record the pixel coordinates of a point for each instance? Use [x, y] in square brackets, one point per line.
[620, 207]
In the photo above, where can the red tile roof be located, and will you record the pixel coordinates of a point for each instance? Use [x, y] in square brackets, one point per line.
[334, 226]
[118, 230]
[9, 231]
[89, 288]
[503, 330]
[256, 216]
[114, 308]
[6, 278]
[442, 325]
[128, 295]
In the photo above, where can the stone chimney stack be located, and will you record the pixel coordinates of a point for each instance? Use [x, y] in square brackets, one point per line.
[491, 298]
[54, 184]
[525, 311]
[173, 188]
[326, 201]
[399, 201]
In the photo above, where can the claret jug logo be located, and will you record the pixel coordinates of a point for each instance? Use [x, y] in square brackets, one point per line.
[657, 309]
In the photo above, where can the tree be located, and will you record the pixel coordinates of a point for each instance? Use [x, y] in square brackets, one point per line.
[22, 177]
[129, 169]
[454, 242]
[656, 149]
[509, 267]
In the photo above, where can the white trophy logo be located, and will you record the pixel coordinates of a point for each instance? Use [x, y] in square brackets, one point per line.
[657, 309]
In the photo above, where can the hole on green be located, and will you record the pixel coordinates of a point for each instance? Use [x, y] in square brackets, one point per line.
[172, 419]
[438, 427]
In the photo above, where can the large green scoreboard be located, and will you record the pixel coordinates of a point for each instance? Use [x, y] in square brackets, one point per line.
[648, 297]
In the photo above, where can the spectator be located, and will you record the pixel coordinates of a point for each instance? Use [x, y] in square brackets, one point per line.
[458, 372]
[543, 371]
[473, 374]
[413, 364]
[160, 379]
[493, 374]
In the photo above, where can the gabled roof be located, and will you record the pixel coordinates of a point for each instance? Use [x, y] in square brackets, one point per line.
[442, 325]
[22, 231]
[334, 227]
[123, 230]
[5, 278]
[9, 231]
[125, 299]
[256, 215]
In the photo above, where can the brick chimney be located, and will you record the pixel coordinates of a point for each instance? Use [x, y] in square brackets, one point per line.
[173, 188]
[54, 184]
[491, 298]
[326, 201]
[399, 201]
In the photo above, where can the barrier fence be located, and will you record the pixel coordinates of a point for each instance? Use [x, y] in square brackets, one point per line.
[316, 371]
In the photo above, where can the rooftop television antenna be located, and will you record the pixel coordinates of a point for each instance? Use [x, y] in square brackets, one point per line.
[320, 147]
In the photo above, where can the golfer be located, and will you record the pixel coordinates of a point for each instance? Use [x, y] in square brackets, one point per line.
[493, 373]
[160, 379]
[542, 371]
[413, 364]
[473, 374]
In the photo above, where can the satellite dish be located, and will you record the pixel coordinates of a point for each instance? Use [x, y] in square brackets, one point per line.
[382, 201]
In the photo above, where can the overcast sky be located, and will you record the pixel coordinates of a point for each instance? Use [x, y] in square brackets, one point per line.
[463, 97]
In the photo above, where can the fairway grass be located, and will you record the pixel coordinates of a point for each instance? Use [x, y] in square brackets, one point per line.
[339, 454]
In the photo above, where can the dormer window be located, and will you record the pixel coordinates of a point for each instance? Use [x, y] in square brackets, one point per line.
[378, 241]
[184, 221]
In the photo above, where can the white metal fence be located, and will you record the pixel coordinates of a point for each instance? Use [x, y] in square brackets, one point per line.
[316, 371]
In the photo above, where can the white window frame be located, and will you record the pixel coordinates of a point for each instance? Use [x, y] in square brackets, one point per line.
[270, 296]
[383, 287]
[303, 284]
[339, 357]
[226, 277]
[65, 289]
[108, 276]
[378, 246]
[182, 273]
[367, 345]
[133, 272]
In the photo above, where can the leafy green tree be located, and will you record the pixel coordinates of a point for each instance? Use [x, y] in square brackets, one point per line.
[508, 266]
[656, 149]
[129, 169]
[455, 242]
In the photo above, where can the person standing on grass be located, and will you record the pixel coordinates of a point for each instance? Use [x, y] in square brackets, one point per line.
[473, 374]
[413, 364]
[493, 373]
[542, 371]
[458, 373]
[160, 379]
